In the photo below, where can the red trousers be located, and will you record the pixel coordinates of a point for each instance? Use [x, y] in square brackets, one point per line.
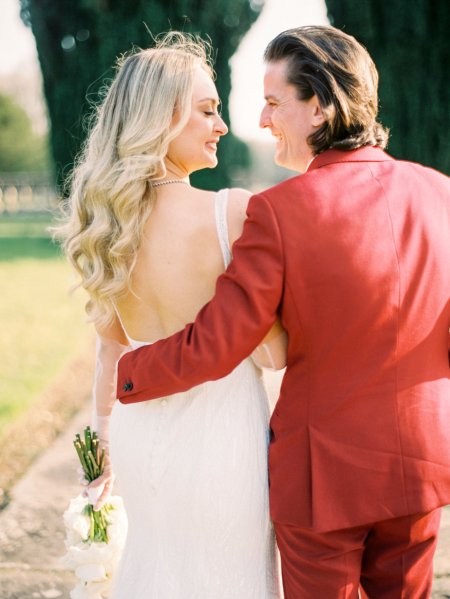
[392, 559]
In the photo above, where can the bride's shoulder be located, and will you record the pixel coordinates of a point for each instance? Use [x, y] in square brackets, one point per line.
[238, 194]
[238, 199]
[237, 211]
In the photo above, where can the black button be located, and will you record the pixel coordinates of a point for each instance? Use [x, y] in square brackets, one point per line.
[127, 387]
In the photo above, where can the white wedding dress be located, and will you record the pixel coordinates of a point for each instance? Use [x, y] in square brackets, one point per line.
[192, 470]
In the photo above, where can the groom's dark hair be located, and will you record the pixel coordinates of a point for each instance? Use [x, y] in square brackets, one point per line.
[332, 65]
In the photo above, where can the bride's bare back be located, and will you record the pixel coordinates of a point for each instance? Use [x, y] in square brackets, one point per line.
[179, 260]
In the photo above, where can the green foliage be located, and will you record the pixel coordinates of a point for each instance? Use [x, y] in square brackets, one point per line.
[410, 45]
[20, 148]
[95, 32]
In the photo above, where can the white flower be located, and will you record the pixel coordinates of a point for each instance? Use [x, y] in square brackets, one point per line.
[103, 587]
[93, 563]
[83, 592]
[74, 518]
[72, 538]
[88, 553]
[76, 505]
[81, 525]
[117, 530]
[116, 501]
[90, 572]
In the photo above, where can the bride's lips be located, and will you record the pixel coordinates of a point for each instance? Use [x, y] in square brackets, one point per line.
[212, 145]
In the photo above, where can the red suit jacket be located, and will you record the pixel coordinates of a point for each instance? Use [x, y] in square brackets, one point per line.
[354, 257]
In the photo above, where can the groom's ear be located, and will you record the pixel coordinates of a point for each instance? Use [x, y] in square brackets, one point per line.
[318, 116]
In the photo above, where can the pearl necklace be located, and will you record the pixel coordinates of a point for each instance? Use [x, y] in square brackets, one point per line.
[168, 182]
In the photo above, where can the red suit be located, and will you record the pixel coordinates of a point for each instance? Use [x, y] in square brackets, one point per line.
[354, 257]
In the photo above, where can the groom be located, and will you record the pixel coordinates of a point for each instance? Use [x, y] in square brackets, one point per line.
[353, 256]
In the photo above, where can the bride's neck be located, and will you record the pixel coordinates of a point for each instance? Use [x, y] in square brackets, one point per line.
[174, 171]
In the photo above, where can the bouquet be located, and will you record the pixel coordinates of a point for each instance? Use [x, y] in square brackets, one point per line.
[94, 539]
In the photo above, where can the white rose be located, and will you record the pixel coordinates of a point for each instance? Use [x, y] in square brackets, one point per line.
[76, 505]
[93, 563]
[103, 587]
[90, 572]
[81, 525]
[72, 538]
[86, 554]
[94, 553]
[117, 530]
[74, 518]
[82, 592]
[116, 501]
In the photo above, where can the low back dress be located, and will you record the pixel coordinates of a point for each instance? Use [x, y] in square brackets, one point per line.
[192, 470]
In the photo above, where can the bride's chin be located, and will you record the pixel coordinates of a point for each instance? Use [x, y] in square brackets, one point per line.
[211, 162]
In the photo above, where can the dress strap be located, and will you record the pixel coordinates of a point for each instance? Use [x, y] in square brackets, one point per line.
[221, 205]
[121, 323]
[135, 343]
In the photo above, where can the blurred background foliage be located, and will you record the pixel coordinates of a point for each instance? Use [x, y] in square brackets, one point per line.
[410, 44]
[20, 148]
[78, 42]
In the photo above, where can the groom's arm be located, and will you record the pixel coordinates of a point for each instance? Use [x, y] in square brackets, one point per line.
[227, 329]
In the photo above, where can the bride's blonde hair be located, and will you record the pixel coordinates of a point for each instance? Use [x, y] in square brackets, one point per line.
[111, 193]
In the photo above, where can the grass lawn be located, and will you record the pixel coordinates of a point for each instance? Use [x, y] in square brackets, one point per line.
[42, 326]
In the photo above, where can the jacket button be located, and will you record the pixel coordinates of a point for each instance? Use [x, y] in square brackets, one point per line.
[127, 387]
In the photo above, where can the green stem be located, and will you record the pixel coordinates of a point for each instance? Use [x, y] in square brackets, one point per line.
[88, 438]
[102, 461]
[94, 464]
[83, 462]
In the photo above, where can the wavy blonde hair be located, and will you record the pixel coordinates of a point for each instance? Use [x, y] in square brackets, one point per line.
[111, 193]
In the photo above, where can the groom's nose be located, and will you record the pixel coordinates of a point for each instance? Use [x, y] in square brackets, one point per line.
[264, 119]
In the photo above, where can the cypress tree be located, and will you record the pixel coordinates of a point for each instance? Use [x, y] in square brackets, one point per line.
[410, 45]
[78, 42]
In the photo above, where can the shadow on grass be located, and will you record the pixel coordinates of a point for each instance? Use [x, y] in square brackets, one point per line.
[19, 248]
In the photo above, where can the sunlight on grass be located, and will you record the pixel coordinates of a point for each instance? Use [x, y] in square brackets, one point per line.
[43, 327]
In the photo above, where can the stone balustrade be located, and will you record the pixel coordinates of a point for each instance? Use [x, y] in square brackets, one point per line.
[27, 192]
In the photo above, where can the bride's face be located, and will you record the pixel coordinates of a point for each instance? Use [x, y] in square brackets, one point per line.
[196, 146]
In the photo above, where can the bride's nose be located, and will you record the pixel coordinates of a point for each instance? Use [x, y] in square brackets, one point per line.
[220, 126]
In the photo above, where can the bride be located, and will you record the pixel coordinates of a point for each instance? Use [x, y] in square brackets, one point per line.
[192, 468]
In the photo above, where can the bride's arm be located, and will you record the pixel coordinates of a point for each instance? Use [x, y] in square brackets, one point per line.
[272, 351]
[110, 346]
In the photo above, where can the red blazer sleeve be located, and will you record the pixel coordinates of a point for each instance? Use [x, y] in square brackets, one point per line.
[227, 329]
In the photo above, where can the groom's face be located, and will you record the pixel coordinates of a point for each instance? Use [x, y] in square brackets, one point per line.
[290, 120]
